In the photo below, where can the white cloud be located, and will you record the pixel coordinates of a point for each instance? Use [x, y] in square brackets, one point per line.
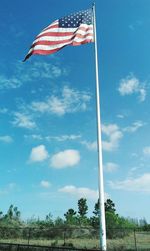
[60, 138]
[21, 73]
[120, 116]
[110, 167]
[56, 71]
[38, 154]
[146, 151]
[6, 139]
[63, 137]
[23, 120]
[45, 184]
[142, 93]
[81, 192]
[128, 86]
[114, 134]
[39, 70]
[92, 146]
[134, 127]
[140, 184]
[51, 105]
[69, 101]
[9, 83]
[36, 137]
[40, 106]
[67, 158]
[133, 171]
[131, 85]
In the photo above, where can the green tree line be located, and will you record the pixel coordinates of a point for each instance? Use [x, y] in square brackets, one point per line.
[76, 219]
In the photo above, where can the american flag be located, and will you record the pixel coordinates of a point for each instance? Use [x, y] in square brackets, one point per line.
[75, 29]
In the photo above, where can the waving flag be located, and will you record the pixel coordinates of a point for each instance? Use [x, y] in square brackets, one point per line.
[75, 29]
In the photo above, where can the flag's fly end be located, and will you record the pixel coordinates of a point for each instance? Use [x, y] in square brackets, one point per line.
[25, 58]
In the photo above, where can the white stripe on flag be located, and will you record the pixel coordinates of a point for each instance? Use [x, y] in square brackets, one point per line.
[47, 47]
[52, 38]
[80, 40]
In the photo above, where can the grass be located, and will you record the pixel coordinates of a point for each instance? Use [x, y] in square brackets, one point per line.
[126, 243]
[143, 240]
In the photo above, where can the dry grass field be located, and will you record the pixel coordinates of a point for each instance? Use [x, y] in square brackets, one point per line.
[142, 242]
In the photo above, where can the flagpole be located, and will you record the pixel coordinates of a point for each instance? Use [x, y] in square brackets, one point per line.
[99, 144]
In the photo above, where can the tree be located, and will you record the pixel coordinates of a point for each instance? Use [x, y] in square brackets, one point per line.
[96, 208]
[70, 216]
[16, 213]
[10, 212]
[110, 206]
[111, 224]
[82, 207]
[1, 214]
[49, 217]
[59, 222]
[95, 219]
[142, 222]
[48, 220]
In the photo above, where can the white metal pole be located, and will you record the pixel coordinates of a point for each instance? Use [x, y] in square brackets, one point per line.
[99, 144]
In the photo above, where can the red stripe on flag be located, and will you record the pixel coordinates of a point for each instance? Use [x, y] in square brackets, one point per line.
[45, 42]
[55, 34]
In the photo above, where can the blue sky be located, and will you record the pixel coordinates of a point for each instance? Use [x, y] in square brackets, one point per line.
[48, 154]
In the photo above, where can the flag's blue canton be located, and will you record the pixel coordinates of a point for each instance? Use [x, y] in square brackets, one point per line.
[74, 20]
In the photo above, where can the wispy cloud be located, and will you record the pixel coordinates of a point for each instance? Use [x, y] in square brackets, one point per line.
[21, 73]
[34, 137]
[59, 138]
[114, 134]
[133, 171]
[9, 83]
[63, 137]
[63, 159]
[45, 184]
[64, 101]
[39, 70]
[92, 146]
[110, 167]
[146, 151]
[134, 127]
[23, 120]
[69, 101]
[132, 85]
[6, 139]
[120, 116]
[139, 184]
